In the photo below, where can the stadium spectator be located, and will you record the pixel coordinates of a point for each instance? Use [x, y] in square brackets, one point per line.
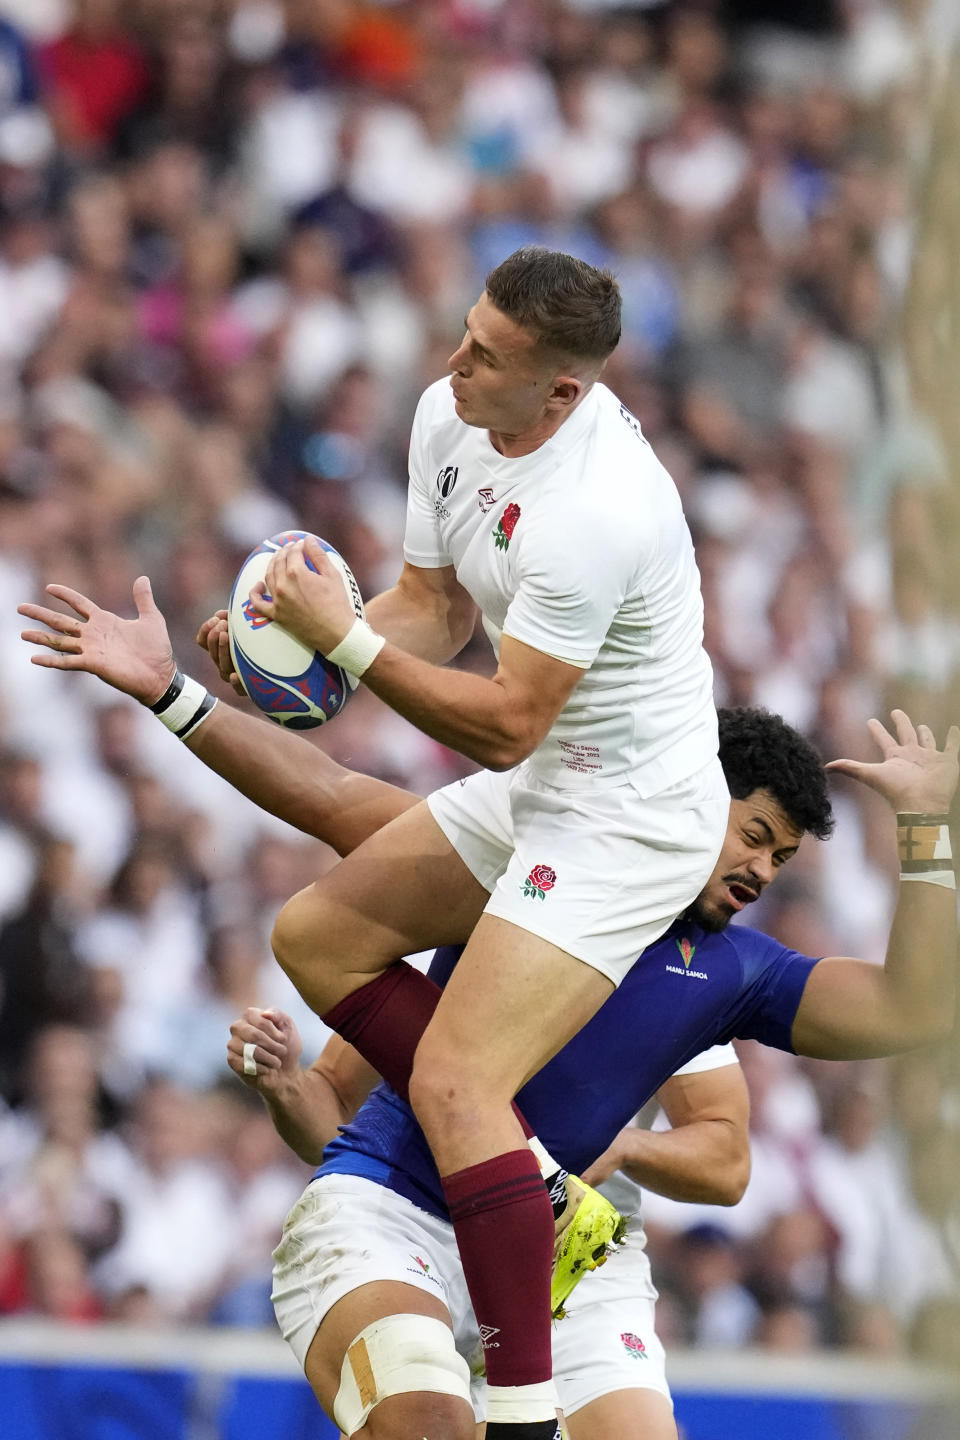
[92, 76]
[178, 1202]
[42, 979]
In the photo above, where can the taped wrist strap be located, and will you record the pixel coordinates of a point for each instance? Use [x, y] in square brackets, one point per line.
[183, 706]
[923, 842]
[358, 649]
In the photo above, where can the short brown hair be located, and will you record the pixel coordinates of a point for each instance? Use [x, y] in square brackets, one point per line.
[571, 307]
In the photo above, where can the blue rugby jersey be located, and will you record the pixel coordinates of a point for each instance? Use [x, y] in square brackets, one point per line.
[688, 991]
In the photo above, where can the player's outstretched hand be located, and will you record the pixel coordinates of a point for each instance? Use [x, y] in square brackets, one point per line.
[214, 637]
[304, 593]
[264, 1049]
[134, 656]
[914, 776]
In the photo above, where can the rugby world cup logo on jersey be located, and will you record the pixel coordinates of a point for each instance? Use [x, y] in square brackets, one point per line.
[446, 479]
[506, 526]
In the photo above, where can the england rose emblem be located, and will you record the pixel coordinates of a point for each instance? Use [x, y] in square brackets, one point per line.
[634, 1345]
[506, 526]
[539, 881]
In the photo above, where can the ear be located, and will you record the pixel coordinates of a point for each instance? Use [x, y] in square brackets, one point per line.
[564, 392]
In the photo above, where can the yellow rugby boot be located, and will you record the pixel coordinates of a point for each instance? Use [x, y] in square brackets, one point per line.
[587, 1232]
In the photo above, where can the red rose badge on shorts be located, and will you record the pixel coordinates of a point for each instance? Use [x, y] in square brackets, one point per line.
[539, 881]
[634, 1345]
[506, 526]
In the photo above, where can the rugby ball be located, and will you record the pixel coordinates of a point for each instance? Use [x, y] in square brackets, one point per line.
[290, 683]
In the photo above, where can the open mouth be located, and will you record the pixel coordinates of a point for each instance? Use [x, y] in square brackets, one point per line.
[741, 894]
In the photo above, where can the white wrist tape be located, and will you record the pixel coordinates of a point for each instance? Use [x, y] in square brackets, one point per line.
[398, 1355]
[358, 649]
[184, 705]
[925, 849]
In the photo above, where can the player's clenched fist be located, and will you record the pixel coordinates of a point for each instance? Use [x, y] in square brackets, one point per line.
[264, 1048]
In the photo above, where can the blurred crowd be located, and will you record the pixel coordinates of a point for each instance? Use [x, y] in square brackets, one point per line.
[236, 241]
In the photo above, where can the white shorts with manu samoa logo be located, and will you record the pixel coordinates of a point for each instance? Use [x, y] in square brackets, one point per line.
[345, 1232]
[600, 873]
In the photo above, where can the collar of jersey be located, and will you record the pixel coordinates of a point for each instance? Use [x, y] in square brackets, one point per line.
[572, 429]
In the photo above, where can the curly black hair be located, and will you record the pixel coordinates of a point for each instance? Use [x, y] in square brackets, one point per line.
[760, 751]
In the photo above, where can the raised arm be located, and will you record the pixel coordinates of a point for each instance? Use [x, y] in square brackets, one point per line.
[852, 1009]
[294, 780]
[497, 722]
[704, 1157]
[427, 613]
[306, 1105]
[278, 770]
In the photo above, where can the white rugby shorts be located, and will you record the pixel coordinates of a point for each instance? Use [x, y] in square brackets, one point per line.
[607, 1341]
[599, 873]
[345, 1232]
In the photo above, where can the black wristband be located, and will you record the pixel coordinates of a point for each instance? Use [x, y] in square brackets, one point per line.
[170, 694]
[183, 705]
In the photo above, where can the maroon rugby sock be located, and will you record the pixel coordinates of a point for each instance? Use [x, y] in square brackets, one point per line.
[385, 1019]
[504, 1226]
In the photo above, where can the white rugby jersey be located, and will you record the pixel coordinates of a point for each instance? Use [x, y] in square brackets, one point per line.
[581, 551]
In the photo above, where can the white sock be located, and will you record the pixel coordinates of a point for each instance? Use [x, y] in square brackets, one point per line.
[522, 1404]
[553, 1174]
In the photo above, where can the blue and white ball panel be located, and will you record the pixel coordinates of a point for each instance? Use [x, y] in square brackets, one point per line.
[293, 685]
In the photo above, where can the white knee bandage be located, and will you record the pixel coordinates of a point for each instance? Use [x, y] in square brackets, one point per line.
[395, 1356]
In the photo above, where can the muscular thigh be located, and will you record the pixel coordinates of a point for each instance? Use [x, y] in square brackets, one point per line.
[343, 1323]
[413, 1413]
[403, 890]
[353, 1253]
[512, 1002]
[627, 1414]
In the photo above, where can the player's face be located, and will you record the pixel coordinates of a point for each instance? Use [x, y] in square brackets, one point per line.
[501, 381]
[759, 840]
